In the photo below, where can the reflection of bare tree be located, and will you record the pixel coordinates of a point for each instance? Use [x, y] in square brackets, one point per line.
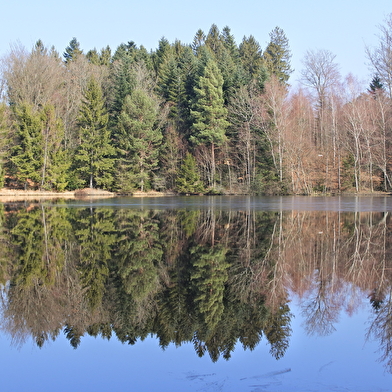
[320, 310]
[258, 270]
[333, 258]
[381, 329]
[40, 311]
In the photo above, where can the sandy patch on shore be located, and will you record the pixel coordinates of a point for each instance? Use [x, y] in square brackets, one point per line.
[9, 195]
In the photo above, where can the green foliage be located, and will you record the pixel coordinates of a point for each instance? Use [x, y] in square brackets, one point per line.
[38, 237]
[209, 111]
[277, 330]
[139, 139]
[94, 158]
[27, 153]
[139, 252]
[56, 160]
[4, 140]
[209, 276]
[188, 180]
[94, 232]
[181, 275]
[103, 58]
[277, 55]
[375, 87]
[251, 57]
[72, 51]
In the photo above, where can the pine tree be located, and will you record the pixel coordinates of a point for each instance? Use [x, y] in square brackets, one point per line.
[27, 154]
[209, 112]
[72, 51]
[4, 141]
[188, 180]
[139, 140]
[251, 56]
[94, 157]
[277, 55]
[95, 234]
[375, 87]
[198, 41]
[56, 160]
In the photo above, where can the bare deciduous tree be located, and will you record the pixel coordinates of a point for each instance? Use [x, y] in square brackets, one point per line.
[380, 57]
[243, 111]
[275, 121]
[320, 73]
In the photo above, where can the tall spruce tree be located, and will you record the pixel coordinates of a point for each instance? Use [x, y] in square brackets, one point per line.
[139, 140]
[94, 157]
[251, 56]
[72, 51]
[4, 140]
[27, 153]
[209, 113]
[277, 55]
[188, 180]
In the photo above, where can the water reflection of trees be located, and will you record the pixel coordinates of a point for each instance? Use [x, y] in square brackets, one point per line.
[213, 278]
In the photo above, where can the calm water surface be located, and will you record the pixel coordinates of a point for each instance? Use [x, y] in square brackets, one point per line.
[197, 294]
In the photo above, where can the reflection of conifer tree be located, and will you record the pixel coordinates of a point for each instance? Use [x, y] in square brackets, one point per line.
[139, 252]
[103, 329]
[140, 281]
[177, 319]
[74, 335]
[4, 249]
[39, 239]
[277, 330]
[95, 235]
[39, 236]
[209, 277]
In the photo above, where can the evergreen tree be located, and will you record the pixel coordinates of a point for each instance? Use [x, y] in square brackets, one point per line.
[4, 141]
[277, 55]
[139, 140]
[198, 41]
[209, 276]
[139, 254]
[209, 112]
[122, 82]
[105, 57]
[230, 44]
[251, 56]
[159, 57]
[94, 157]
[170, 84]
[56, 161]
[94, 230]
[72, 51]
[188, 180]
[93, 56]
[375, 87]
[27, 153]
[214, 40]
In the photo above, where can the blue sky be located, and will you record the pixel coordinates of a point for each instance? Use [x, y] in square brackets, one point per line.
[343, 27]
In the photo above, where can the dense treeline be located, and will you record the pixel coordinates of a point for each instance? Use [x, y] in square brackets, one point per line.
[210, 277]
[212, 116]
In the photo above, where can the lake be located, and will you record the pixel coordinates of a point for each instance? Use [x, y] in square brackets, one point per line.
[197, 294]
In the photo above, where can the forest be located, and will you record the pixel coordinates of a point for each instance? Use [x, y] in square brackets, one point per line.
[210, 117]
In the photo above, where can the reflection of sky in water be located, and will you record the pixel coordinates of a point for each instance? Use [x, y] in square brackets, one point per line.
[342, 361]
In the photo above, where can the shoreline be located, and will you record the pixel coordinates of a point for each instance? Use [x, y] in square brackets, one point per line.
[10, 195]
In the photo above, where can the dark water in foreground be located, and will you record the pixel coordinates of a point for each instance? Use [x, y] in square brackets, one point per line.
[197, 294]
